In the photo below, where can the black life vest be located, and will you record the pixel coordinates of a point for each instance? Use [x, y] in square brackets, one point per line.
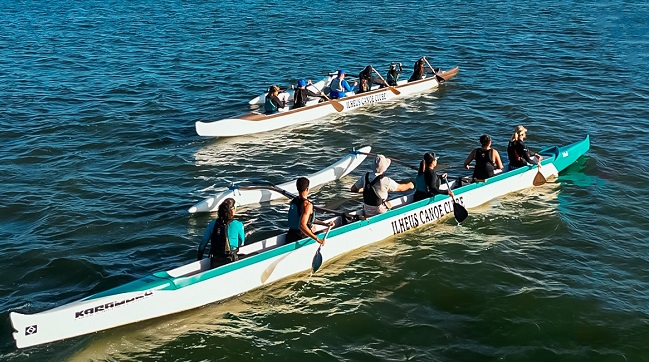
[370, 196]
[300, 97]
[220, 241]
[295, 212]
[484, 166]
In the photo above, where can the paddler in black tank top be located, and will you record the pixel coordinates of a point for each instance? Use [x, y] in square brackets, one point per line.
[301, 216]
[487, 160]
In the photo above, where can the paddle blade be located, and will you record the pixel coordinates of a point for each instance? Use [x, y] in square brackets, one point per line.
[394, 90]
[460, 212]
[539, 179]
[317, 261]
[339, 107]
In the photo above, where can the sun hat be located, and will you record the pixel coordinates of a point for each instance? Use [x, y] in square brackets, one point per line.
[381, 164]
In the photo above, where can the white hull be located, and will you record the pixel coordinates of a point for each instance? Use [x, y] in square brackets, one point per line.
[256, 122]
[246, 197]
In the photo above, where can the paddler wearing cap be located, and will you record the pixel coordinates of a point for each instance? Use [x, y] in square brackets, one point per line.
[375, 188]
[517, 151]
[302, 93]
[428, 181]
[339, 86]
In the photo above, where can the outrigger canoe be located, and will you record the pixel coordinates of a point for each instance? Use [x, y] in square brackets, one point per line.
[194, 285]
[256, 122]
[246, 196]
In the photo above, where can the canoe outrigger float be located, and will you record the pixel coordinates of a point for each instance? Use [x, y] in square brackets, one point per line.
[246, 196]
[256, 122]
[194, 285]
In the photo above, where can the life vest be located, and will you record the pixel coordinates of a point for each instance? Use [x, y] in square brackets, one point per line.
[269, 106]
[295, 212]
[336, 85]
[300, 97]
[484, 166]
[370, 195]
[365, 80]
[220, 241]
[393, 76]
[420, 183]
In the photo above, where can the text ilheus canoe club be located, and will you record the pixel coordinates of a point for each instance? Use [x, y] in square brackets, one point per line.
[363, 101]
[423, 216]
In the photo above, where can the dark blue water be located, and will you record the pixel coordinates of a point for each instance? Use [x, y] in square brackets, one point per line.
[100, 161]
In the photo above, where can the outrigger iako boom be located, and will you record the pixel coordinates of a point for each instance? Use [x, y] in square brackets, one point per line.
[267, 261]
[249, 196]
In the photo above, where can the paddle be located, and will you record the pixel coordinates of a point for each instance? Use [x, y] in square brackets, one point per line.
[390, 158]
[439, 78]
[317, 258]
[539, 179]
[339, 107]
[458, 210]
[393, 89]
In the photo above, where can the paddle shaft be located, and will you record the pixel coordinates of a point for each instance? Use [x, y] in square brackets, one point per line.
[430, 66]
[337, 105]
[433, 70]
[459, 211]
[393, 89]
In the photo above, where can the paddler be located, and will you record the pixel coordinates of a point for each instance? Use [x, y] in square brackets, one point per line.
[375, 188]
[517, 151]
[225, 234]
[273, 102]
[339, 86]
[428, 182]
[301, 216]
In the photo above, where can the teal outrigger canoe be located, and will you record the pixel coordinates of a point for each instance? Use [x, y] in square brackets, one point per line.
[194, 285]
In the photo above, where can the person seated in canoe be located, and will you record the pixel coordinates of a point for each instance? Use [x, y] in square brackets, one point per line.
[225, 236]
[274, 103]
[428, 182]
[367, 79]
[375, 189]
[517, 151]
[339, 87]
[487, 160]
[301, 216]
[393, 73]
[302, 94]
[419, 71]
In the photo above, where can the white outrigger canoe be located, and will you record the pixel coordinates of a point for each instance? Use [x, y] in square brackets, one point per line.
[194, 285]
[246, 196]
[256, 122]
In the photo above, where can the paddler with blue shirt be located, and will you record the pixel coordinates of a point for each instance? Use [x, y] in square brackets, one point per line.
[225, 234]
[339, 87]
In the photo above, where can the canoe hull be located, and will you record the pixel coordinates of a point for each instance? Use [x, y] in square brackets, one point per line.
[194, 285]
[256, 123]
